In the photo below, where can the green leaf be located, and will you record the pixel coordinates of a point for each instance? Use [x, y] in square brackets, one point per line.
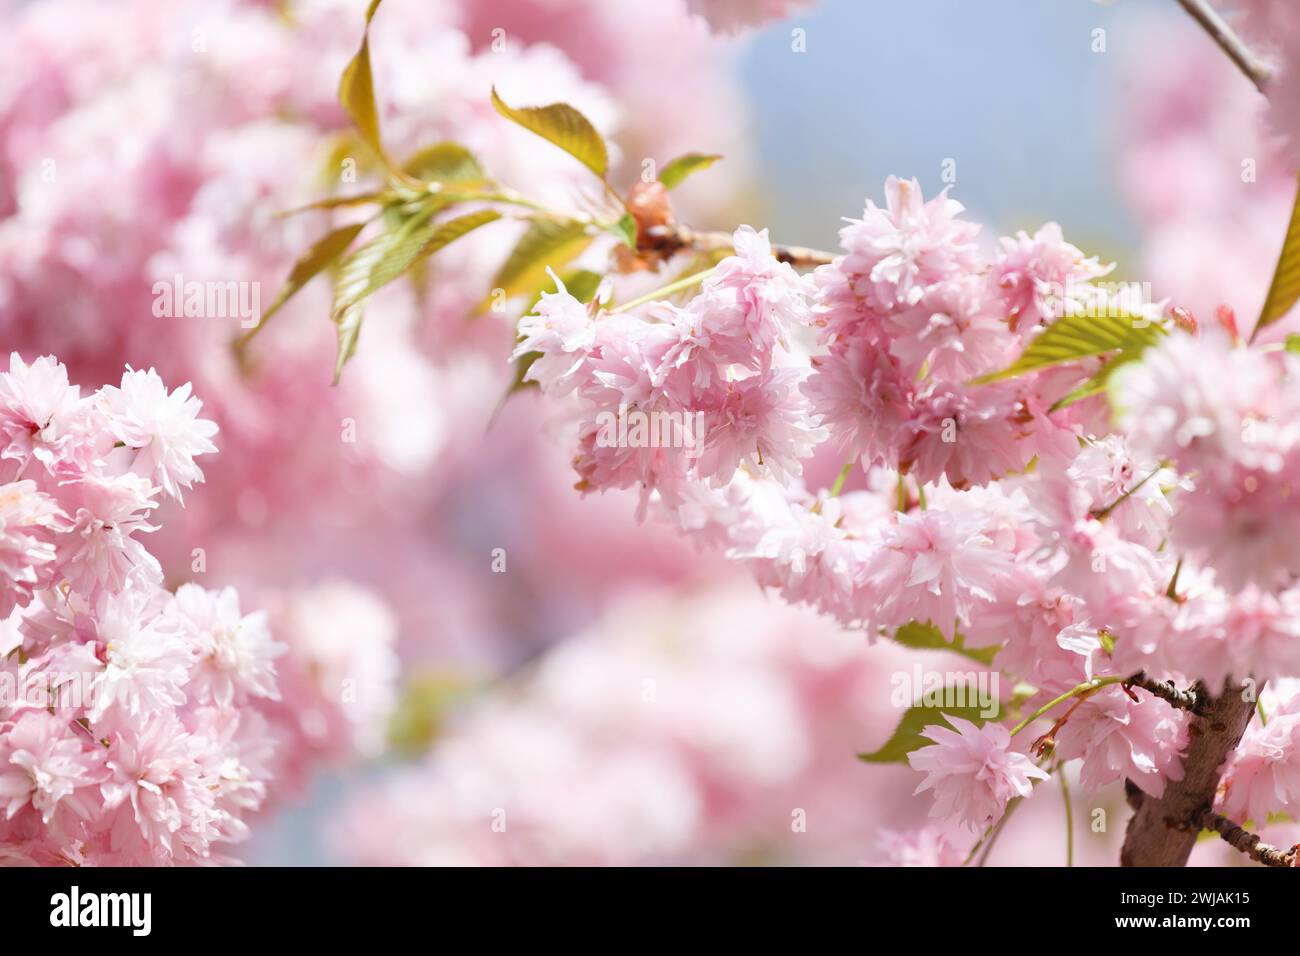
[1293, 343]
[357, 89]
[547, 243]
[348, 326]
[681, 167]
[907, 735]
[421, 711]
[1083, 335]
[928, 637]
[385, 258]
[445, 162]
[316, 259]
[625, 229]
[1100, 382]
[415, 239]
[564, 126]
[340, 202]
[1285, 290]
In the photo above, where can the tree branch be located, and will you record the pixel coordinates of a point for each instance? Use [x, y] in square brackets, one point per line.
[1228, 40]
[1245, 841]
[667, 240]
[1162, 831]
[1193, 699]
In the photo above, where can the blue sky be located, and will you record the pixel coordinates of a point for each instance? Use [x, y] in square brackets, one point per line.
[1010, 89]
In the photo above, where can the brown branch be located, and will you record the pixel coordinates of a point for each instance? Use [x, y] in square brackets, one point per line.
[659, 235]
[798, 256]
[1245, 841]
[1193, 699]
[1162, 830]
[1228, 40]
[663, 241]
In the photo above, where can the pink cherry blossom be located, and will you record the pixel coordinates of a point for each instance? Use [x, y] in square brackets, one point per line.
[1120, 739]
[892, 253]
[1262, 776]
[164, 428]
[973, 772]
[936, 567]
[28, 519]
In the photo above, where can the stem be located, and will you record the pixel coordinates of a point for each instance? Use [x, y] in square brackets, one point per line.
[508, 196]
[677, 286]
[843, 477]
[1069, 816]
[1087, 687]
[1099, 515]
[1228, 40]
[1245, 841]
[990, 835]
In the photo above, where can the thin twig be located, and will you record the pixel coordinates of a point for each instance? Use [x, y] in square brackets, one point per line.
[1245, 841]
[1233, 45]
[677, 238]
[1193, 699]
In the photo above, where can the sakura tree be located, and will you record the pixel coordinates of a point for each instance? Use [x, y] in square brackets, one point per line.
[1043, 469]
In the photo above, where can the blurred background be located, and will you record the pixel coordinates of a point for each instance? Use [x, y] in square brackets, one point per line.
[489, 668]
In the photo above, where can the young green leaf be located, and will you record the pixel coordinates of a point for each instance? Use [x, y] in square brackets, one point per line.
[385, 258]
[564, 126]
[422, 710]
[341, 202]
[681, 167]
[357, 89]
[625, 229]
[319, 257]
[1285, 290]
[928, 637]
[1100, 382]
[1078, 336]
[907, 735]
[397, 251]
[445, 162]
[547, 243]
[348, 326]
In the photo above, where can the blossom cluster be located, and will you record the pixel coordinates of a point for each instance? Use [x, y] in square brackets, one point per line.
[988, 507]
[210, 119]
[130, 731]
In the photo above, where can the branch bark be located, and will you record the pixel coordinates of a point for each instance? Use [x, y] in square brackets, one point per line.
[1229, 42]
[1245, 841]
[666, 240]
[1193, 699]
[1163, 830]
